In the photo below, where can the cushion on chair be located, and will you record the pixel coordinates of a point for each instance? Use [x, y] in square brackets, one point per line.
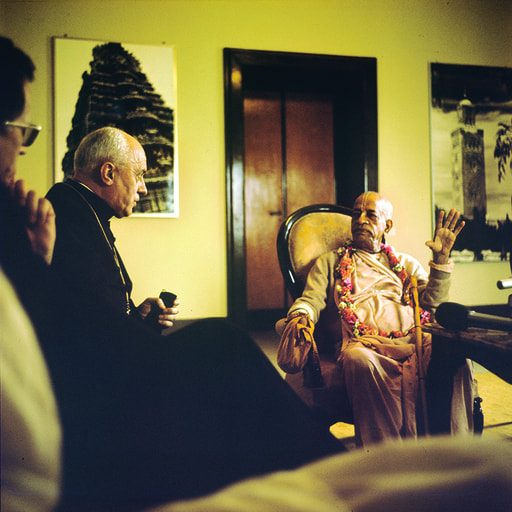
[313, 235]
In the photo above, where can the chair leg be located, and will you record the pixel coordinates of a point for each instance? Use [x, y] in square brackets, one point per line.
[478, 416]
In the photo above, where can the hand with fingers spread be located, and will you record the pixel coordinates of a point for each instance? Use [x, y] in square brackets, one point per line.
[39, 221]
[447, 230]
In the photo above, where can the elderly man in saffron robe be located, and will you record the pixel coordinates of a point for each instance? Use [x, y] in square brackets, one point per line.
[364, 288]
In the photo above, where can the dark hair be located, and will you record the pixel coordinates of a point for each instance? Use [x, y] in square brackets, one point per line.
[16, 68]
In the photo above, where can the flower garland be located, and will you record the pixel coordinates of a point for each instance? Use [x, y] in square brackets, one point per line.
[343, 275]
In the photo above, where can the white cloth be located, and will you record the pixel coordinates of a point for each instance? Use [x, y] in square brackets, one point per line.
[31, 432]
[443, 474]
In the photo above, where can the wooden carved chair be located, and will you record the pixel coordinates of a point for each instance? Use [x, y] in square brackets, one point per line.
[305, 235]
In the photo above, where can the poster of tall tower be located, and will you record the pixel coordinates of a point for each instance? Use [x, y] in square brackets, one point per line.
[469, 105]
[468, 164]
[131, 87]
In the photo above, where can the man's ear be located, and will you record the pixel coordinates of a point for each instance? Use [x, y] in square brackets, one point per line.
[389, 225]
[107, 173]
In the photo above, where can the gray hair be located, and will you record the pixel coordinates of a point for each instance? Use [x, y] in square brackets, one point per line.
[386, 208]
[106, 144]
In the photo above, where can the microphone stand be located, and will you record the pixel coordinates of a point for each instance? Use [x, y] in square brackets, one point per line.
[419, 351]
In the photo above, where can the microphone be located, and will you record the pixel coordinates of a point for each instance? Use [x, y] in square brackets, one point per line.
[457, 317]
[503, 284]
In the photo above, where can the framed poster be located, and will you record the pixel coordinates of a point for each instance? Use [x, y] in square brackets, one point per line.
[131, 87]
[471, 120]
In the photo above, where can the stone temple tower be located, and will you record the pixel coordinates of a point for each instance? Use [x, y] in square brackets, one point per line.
[468, 164]
[117, 93]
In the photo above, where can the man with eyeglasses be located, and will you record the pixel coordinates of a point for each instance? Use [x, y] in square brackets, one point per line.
[16, 134]
[108, 180]
[30, 428]
[15, 137]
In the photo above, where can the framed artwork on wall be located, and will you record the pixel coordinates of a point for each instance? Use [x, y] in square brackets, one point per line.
[471, 141]
[131, 87]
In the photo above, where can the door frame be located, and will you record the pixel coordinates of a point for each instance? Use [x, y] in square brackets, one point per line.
[359, 174]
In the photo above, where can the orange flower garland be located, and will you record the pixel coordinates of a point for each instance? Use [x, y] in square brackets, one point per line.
[343, 274]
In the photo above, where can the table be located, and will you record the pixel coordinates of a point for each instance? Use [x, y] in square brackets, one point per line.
[490, 348]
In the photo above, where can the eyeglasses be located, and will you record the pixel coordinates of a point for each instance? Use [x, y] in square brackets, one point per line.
[28, 131]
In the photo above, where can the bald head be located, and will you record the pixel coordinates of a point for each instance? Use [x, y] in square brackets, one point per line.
[112, 164]
[370, 221]
[105, 144]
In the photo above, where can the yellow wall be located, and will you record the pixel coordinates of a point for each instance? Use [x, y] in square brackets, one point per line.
[188, 254]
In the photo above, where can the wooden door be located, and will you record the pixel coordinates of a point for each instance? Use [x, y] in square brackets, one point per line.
[263, 199]
[289, 163]
[309, 150]
[351, 82]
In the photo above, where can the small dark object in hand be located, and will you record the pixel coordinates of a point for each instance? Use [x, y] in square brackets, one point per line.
[152, 318]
